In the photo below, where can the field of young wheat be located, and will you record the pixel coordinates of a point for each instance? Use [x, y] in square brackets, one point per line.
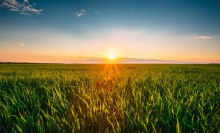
[109, 98]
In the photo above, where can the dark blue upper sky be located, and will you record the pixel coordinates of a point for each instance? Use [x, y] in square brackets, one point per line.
[202, 16]
[86, 19]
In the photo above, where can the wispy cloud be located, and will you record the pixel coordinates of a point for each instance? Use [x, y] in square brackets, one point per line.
[21, 44]
[22, 7]
[204, 37]
[80, 13]
[146, 61]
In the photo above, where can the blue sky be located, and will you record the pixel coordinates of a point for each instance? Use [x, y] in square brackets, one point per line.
[88, 30]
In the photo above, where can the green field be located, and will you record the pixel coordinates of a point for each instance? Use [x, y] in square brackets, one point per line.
[109, 98]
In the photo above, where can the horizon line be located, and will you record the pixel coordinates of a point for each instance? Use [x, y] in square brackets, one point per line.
[183, 63]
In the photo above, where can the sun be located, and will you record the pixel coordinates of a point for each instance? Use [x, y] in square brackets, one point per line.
[111, 56]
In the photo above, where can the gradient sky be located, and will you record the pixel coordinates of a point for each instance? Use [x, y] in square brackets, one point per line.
[82, 31]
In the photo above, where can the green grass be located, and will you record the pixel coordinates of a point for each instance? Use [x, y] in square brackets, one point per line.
[100, 98]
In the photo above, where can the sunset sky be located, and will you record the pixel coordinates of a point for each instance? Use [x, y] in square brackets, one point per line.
[86, 31]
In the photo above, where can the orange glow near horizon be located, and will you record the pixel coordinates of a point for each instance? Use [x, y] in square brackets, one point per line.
[120, 46]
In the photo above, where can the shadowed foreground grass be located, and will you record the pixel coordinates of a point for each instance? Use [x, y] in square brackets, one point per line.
[109, 98]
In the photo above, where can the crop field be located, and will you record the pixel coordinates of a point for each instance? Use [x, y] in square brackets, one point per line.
[109, 98]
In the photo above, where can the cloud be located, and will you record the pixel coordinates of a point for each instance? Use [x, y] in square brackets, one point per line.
[80, 13]
[23, 7]
[102, 60]
[204, 37]
[146, 61]
[21, 44]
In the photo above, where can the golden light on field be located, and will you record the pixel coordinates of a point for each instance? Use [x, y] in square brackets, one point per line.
[111, 56]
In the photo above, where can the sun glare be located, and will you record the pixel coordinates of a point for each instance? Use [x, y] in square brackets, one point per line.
[111, 56]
